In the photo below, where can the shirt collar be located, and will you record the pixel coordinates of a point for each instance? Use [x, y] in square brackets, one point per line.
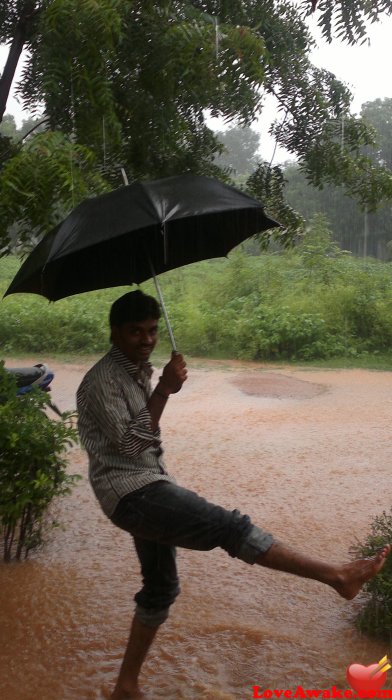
[129, 366]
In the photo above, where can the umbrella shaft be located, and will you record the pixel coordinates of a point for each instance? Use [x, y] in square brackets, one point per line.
[163, 307]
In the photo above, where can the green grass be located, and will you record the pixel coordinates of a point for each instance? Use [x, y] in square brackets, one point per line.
[161, 356]
[370, 361]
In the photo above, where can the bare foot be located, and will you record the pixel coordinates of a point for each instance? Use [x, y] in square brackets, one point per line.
[352, 576]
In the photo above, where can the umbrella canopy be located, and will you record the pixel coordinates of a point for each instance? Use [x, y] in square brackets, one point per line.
[122, 237]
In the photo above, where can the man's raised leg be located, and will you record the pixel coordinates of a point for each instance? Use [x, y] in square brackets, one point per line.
[346, 579]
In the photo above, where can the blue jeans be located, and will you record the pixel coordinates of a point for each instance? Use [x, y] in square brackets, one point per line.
[162, 516]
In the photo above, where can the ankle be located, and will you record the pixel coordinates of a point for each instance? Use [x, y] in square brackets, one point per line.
[127, 693]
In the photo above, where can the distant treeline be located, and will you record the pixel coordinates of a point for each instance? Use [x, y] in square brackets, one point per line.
[361, 231]
[357, 229]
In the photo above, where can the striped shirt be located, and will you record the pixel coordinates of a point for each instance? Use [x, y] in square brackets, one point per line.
[115, 429]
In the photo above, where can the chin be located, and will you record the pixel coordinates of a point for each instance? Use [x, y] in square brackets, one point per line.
[145, 353]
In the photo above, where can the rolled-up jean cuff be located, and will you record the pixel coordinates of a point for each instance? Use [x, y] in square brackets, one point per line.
[151, 617]
[256, 542]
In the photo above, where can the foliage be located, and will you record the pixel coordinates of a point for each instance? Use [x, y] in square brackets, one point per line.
[267, 184]
[32, 466]
[240, 150]
[347, 19]
[360, 230]
[77, 324]
[147, 71]
[378, 113]
[311, 302]
[316, 250]
[63, 174]
[9, 128]
[131, 82]
[376, 616]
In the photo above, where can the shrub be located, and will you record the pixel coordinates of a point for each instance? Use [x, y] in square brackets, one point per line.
[376, 617]
[32, 465]
[313, 302]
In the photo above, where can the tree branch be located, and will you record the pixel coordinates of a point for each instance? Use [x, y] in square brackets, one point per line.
[30, 131]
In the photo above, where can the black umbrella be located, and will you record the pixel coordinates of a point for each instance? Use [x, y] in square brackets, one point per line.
[138, 231]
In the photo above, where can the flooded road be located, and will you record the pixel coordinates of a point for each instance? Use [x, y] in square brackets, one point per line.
[306, 453]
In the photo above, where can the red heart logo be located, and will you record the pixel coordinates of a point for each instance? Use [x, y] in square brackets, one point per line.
[361, 678]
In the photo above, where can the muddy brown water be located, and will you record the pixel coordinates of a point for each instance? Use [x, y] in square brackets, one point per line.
[307, 453]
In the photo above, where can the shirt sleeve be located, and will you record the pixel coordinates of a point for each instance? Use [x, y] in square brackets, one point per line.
[139, 435]
[129, 430]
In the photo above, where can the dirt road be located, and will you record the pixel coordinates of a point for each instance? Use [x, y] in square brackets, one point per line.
[306, 453]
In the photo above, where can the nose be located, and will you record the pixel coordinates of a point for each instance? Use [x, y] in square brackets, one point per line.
[147, 338]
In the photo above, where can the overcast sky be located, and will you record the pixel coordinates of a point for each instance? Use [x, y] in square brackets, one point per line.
[364, 68]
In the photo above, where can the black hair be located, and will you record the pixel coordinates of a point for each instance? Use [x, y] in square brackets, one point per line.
[133, 306]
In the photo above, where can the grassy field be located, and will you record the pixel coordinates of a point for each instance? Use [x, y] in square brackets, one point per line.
[303, 306]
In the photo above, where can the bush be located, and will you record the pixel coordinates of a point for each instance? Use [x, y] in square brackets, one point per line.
[313, 302]
[32, 465]
[376, 616]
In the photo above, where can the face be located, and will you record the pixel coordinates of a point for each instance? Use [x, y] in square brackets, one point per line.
[136, 339]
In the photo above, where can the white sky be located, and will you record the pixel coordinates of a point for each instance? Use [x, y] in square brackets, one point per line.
[364, 68]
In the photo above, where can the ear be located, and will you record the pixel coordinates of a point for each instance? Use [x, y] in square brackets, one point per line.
[114, 334]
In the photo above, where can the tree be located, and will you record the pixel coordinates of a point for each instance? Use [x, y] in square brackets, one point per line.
[8, 127]
[361, 231]
[130, 81]
[346, 19]
[240, 154]
[379, 115]
[17, 20]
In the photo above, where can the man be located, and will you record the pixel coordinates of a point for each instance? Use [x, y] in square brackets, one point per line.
[119, 427]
